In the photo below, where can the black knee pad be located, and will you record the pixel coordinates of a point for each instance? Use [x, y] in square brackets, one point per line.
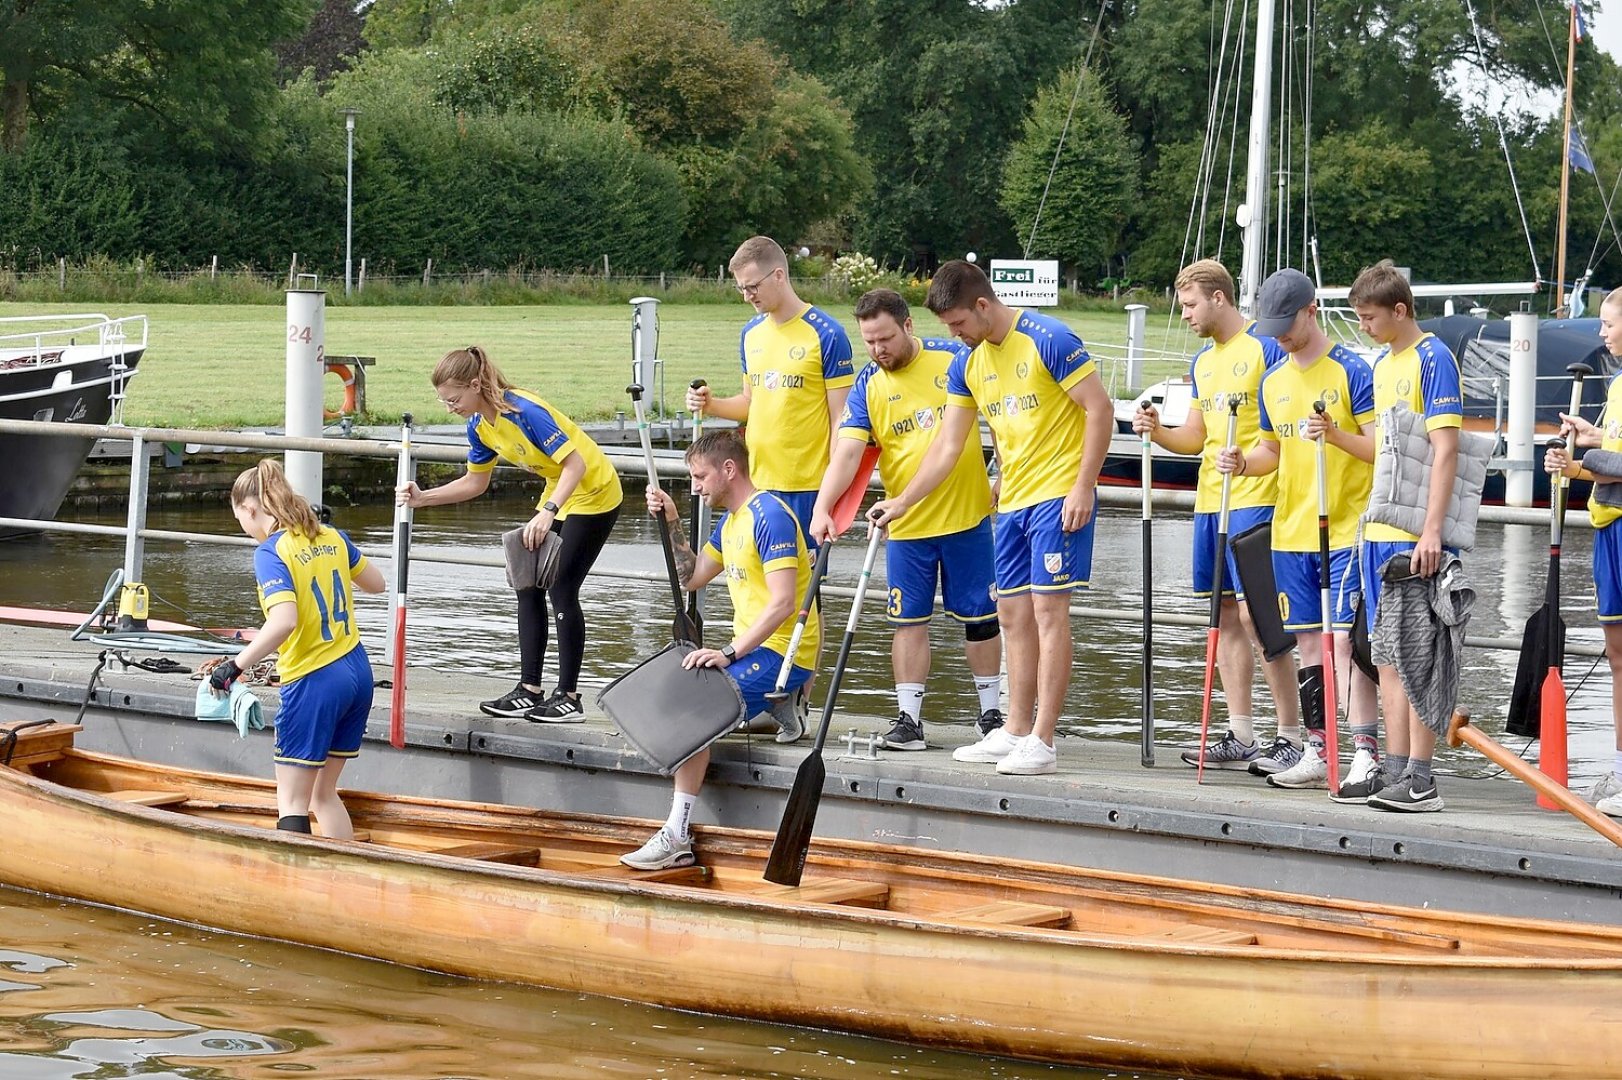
[299, 823]
[1311, 680]
[982, 631]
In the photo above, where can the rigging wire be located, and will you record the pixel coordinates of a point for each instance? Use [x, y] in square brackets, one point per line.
[1086, 63]
[1503, 141]
[1306, 132]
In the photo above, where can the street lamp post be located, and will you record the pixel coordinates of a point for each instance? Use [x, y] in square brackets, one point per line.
[349, 195]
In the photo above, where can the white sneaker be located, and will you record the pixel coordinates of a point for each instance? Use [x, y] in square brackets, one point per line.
[1604, 788]
[1611, 804]
[660, 853]
[1312, 771]
[1029, 757]
[1362, 780]
[997, 745]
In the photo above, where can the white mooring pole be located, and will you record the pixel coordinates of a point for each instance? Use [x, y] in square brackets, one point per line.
[306, 367]
[1523, 401]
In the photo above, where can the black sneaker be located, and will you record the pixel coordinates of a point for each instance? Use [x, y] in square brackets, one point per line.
[1406, 797]
[905, 734]
[514, 703]
[989, 721]
[560, 708]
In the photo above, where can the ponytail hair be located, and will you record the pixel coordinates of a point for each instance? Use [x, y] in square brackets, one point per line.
[266, 483]
[462, 366]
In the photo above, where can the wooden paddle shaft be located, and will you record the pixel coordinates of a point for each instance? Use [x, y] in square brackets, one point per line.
[1213, 634]
[1459, 730]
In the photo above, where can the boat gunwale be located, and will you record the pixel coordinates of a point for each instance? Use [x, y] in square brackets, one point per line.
[584, 880]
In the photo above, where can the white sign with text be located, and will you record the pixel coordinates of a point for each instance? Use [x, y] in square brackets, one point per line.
[1026, 282]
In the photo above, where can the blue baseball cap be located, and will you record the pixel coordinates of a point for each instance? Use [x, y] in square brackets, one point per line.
[1282, 296]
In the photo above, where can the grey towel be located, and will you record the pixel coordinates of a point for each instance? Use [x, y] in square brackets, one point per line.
[1605, 463]
[1419, 630]
[1400, 495]
[528, 569]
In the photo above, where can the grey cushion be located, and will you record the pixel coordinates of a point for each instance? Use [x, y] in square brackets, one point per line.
[669, 712]
[1402, 474]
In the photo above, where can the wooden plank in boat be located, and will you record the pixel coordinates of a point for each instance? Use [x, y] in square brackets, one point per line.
[1207, 935]
[851, 893]
[148, 798]
[510, 854]
[41, 744]
[1011, 913]
[698, 876]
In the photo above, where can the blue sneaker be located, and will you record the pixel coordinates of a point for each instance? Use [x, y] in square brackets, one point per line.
[1224, 753]
[1282, 756]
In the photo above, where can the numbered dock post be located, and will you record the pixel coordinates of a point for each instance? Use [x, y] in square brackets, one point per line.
[1523, 402]
[306, 367]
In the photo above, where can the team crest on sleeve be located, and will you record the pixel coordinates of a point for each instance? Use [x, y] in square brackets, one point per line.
[1052, 561]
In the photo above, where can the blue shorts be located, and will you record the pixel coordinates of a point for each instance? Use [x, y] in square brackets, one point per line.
[1035, 555]
[962, 562]
[1298, 577]
[1373, 557]
[1205, 545]
[801, 503]
[323, 714]
[1608, 571]
[755, 672]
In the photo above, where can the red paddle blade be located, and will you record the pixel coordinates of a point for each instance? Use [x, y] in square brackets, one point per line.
[844, 511]
[397, 699]
[1552, 736]
[1211, 636]
[1331, 714]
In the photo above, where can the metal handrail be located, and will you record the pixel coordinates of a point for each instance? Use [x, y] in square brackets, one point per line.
[109, 331]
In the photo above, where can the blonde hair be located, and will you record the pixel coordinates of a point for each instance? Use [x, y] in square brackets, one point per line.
[1614, 299]
[1208, 276]
[266, 484]
[1383, 286]
[462, 366]
[760, 251]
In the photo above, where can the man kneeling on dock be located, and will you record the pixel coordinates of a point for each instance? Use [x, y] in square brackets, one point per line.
[760, 547]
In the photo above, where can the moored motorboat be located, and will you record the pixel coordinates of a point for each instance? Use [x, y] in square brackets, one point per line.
[68, 368]
[988, 955]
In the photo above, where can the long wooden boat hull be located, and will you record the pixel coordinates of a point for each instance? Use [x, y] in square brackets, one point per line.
[1243, 983]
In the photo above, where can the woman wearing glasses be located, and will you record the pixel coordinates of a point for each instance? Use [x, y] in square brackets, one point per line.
[581, 502]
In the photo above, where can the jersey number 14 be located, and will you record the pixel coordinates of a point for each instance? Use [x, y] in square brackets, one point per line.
[337, 611]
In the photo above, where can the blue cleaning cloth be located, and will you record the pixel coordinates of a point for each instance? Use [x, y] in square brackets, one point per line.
[241, 708]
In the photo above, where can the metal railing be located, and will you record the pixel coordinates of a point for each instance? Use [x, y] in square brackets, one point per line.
[669, 464]
[109, 333]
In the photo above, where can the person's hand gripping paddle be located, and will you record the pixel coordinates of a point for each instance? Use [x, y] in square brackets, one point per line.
[793, 843]
[1213, 633]
[1146, 468]
[683, 628]
[404, 474]
[1326, 619]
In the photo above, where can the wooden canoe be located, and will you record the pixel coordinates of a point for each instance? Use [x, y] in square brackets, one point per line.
[1003, 957]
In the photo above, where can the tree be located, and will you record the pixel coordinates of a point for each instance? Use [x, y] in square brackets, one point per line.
[200, 70]
[329, 44]
[1073, 164]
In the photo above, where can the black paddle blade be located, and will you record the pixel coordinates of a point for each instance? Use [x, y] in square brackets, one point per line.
[1253, 554]
[1525, 699]
[683, 628]
[793, 843]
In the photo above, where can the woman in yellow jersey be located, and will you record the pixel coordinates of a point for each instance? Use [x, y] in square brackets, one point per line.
[1607, 515]
[305, 572]
[581, 502]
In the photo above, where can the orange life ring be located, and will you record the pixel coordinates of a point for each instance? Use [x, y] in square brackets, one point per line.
[348, 377]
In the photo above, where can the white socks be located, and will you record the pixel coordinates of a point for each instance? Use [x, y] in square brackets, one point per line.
[910, 697]
[681, 816]
[989, 687]
[1243, 728]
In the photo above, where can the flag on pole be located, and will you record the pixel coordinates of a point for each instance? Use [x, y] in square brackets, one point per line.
[1579, 154]
[1578, 27]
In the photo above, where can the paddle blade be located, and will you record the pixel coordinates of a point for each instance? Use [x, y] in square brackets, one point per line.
[683, 628]
[1253, 555]
[1552, 739]
[1530, 670]
[850, 502]
[1211, 637]
[787, 860]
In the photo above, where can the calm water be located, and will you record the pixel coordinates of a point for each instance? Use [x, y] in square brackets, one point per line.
[96, 994]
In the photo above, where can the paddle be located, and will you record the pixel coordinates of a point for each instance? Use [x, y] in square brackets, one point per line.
[1459, 731]
[1214, 632]
[404, 474]
[695, 603]
[1552, 704]
[1147, 744]
[682, 629]
[793, 843]
[1326, 618]
[844, 512]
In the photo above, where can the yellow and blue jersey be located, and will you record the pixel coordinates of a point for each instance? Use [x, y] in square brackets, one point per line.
[790, 369]
[1022, 388]
[757, 538]
[315, 573]
[1235, 366]
[1342, 381]
[537, 437]
[1610, 426]
[1426, 377]
[901, 411]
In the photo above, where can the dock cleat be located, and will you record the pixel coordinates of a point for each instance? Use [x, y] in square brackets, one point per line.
[1224, 753]
[1277, 758]
[905, 734]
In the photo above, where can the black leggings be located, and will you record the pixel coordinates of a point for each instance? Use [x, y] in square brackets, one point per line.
[583, 538]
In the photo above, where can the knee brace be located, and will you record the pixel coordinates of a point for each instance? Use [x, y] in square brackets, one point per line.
[1311, 686]
[982, 631]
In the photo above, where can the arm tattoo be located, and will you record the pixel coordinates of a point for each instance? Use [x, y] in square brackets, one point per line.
[686, 559]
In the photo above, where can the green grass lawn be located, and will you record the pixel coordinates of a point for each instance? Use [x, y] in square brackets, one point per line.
[221, 366]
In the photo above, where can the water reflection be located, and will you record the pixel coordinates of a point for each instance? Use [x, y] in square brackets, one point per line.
[116, 995]
[462, 617]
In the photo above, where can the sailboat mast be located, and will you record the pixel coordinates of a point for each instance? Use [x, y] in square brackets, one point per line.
[1252, 215]
[1565, 167]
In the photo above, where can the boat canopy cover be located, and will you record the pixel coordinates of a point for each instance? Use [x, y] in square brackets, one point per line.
[1482, 346]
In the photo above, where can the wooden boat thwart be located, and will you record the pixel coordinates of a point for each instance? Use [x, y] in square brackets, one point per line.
[1014, 958]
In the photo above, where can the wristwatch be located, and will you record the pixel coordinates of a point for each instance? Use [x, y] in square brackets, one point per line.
[729, 652]
[549, 506]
